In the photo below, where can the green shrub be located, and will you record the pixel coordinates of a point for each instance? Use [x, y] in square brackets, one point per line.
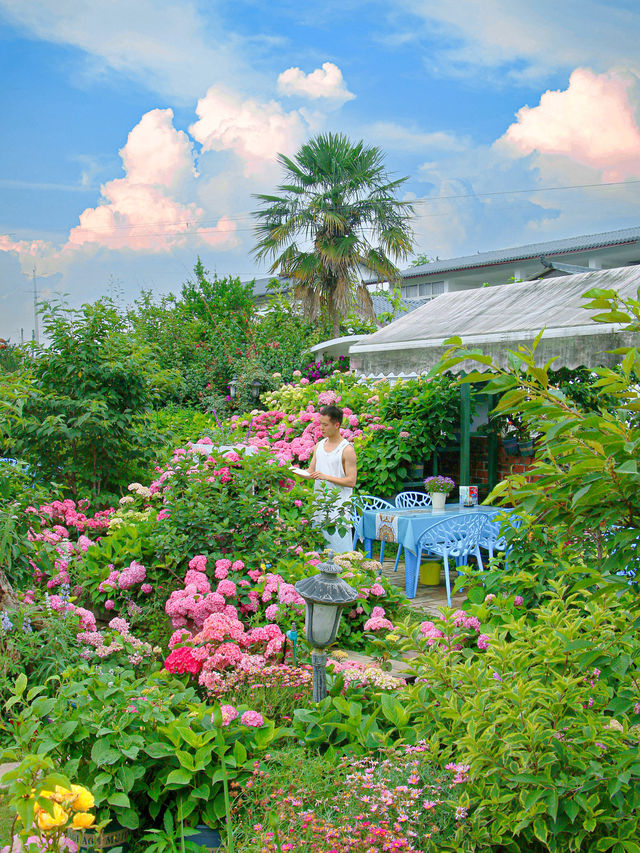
[82, 417]
[141, 745]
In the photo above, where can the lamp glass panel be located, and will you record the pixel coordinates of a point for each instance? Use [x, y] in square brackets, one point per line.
[325, 618]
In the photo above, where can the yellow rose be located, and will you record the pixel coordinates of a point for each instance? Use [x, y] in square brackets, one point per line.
[83, 820]
[47, 822]
[82, 799]
[61, 794]
[44, 795]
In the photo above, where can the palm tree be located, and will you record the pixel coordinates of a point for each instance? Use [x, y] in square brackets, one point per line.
[338, 201]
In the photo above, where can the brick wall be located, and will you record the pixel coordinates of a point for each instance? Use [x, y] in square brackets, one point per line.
[449, 464]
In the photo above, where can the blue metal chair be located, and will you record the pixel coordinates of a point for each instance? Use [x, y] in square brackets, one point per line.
[360, 503]
[455, 537]
[408, 500]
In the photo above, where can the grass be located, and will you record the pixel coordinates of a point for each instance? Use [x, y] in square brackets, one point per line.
[6, 819]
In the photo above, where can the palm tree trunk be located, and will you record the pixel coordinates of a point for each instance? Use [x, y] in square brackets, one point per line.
[336, 324]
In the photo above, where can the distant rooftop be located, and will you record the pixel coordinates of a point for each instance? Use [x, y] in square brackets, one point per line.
[521, 253]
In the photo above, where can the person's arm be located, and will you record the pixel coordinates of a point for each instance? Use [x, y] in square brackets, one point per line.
[350, 470]
[312, 465]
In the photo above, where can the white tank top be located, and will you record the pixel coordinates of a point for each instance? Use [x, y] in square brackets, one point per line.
[331, 463]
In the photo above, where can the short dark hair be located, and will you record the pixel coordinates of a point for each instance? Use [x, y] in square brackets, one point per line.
[334, 413]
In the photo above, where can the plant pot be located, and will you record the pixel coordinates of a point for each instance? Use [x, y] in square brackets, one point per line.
[526, 448]
[438, 500]
[110, 838]
[430, 573]
[205, 837]
[510, 445]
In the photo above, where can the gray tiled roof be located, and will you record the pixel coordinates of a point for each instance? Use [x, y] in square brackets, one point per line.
[531, 250]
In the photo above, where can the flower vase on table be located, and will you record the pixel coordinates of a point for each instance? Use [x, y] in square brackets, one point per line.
[438, 488]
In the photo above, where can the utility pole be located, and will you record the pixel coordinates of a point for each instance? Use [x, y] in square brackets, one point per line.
[36, 335]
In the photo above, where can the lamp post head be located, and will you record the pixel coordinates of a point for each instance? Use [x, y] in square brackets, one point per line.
[325, 596]
[256, 385]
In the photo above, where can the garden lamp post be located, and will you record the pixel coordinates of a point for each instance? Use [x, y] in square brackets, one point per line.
[256, 387]
[232, 384]
[325, 595]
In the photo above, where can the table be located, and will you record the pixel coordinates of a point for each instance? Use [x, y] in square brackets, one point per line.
[404, 526]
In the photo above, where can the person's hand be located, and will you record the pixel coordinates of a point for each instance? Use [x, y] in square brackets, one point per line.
[318, 475]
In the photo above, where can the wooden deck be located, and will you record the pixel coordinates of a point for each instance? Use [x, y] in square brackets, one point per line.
[429, 599]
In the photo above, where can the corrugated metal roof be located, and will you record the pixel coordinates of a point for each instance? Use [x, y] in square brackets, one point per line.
[507, 311]
[521, 253]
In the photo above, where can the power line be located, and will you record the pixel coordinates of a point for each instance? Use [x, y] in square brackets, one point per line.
[188, 223]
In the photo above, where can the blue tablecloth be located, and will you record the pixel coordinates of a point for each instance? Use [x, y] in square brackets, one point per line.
[404, 526]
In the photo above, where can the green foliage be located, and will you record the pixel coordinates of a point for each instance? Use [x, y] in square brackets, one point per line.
[179, 425]
[142, 745]
[338, 196]
[417, 417]
[39, 643]
[82, 419]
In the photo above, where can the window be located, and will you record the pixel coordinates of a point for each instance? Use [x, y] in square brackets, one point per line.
[427, 290]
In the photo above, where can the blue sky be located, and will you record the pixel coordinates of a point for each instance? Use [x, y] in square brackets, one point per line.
[135, 132]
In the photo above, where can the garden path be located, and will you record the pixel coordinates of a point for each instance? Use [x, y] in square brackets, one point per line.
[429, 599]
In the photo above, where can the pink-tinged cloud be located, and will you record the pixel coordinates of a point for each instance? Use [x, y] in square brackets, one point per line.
[326, 82]
[140, 211]
[256, 132]
[592, 122]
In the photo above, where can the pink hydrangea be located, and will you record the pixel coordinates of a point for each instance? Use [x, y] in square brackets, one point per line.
[252, 718]
[226, 588]
[146, 588]
[271, 612]
[199, 563]
[377, 589]
[229, 713]
[109, 604]
[483, 642]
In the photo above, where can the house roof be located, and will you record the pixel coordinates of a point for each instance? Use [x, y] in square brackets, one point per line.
[521, 253]
[505, 315]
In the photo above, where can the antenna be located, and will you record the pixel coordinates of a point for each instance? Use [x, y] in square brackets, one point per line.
[36, 335]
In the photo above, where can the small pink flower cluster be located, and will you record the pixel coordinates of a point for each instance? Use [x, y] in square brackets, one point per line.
[102, 645]
[460, 620]
[377, 621]
[69, 513]
[61, 605]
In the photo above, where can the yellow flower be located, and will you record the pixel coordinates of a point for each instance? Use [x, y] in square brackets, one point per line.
[47, 822]
[392, 638]
[82, 799]
[45, 795]
[83, 820]
[339, 654]
[61, 794]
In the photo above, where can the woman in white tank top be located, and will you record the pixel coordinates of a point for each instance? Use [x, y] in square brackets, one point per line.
[333, 466]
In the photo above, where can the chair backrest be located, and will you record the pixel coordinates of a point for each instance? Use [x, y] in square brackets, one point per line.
[406, 500]
[495, 525]
[458, 535]
[360, 502]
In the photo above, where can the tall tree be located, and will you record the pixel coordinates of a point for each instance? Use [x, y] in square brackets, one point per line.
[336, 217]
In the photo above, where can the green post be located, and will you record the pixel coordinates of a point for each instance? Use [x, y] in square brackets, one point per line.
[492, 447]
[465, 434]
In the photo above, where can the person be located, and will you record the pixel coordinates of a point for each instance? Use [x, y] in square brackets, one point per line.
[334, 468]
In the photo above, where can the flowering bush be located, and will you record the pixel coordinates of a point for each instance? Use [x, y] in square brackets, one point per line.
[398, 801]
[47, 806]
[129, 736]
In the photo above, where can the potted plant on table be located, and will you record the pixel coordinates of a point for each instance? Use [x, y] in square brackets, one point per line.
[438, 488]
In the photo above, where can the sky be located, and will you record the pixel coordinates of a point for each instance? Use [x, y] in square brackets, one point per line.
[135, 133]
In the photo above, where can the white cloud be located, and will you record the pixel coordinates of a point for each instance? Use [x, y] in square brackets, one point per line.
[398, 137]
[256, 132]
[592, 122]
[522, 40]
[326, 82]
[166, 44]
